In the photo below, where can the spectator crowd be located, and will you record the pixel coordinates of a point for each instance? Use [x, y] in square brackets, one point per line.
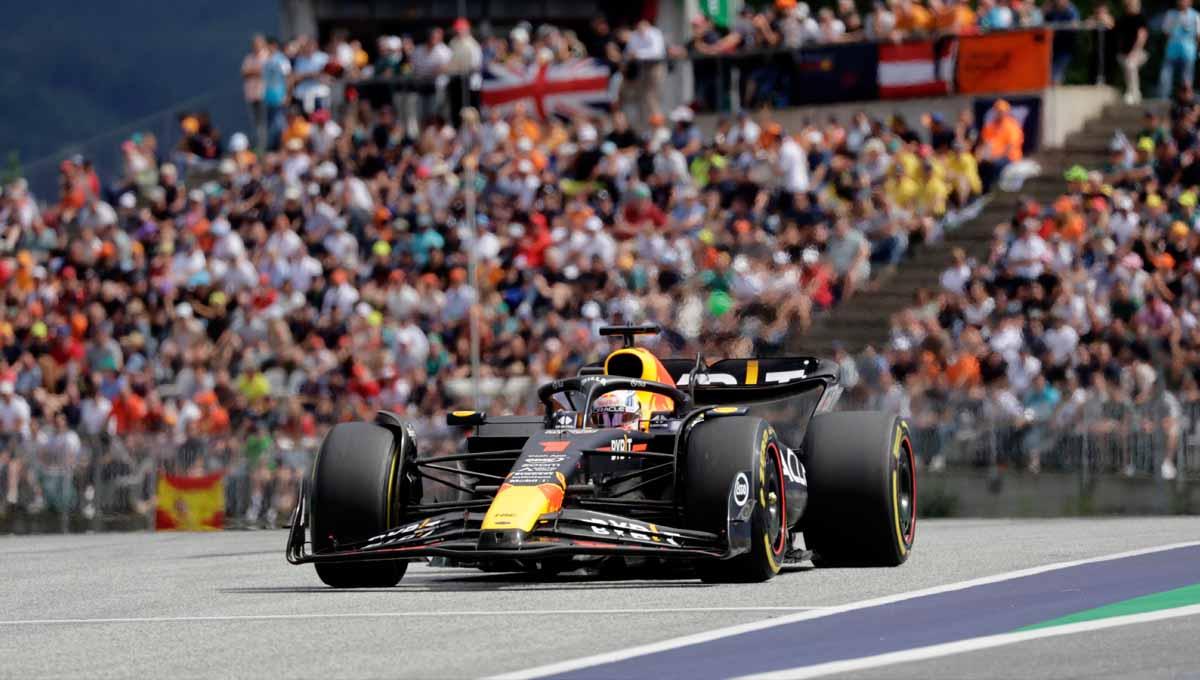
[445, 65]
[219, 303]
[1078, 334]
[216, 306]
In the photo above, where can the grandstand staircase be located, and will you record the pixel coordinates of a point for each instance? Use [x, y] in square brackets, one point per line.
[866, 319]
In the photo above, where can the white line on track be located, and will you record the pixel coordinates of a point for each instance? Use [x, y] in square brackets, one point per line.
[728, 631]
[969, 645]
[399, 615]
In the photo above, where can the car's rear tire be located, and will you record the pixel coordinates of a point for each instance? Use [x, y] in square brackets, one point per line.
[357, 493]
[720, 449]
[862, 485]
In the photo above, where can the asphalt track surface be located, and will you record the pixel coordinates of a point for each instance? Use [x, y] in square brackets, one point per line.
[227, 605]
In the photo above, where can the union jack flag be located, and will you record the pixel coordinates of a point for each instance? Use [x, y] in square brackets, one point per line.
[570, 88]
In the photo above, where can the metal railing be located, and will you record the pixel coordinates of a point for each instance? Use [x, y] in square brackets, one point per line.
[72, 482]
[723, 83]
[1090, 434]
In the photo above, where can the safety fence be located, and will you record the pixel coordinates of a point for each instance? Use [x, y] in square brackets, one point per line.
[68, 481]
[1087, 433]
[72, 482]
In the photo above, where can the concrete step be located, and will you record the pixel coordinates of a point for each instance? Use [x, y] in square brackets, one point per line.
[1056, 161]
[1090, 140]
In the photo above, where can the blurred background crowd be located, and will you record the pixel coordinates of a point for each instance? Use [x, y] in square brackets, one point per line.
[220, 303]
[1081, 325]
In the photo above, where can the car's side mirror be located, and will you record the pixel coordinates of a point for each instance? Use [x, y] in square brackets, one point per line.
[466, 418]
[660, 419]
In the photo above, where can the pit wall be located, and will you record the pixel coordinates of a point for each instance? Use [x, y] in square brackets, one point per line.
[969, 493]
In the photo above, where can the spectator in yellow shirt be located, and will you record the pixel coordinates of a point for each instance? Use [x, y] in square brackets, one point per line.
[962, 172]
[253, 385]
[901, 187]
[935, 192]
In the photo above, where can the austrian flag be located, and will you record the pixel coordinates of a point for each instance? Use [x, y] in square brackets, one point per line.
[923, 69]
[571, 88]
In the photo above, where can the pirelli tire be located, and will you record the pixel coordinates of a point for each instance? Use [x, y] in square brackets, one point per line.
[356, 493]
[719, 451]
[862, 485]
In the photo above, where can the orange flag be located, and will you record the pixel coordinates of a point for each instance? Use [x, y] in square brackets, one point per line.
[1011, 61]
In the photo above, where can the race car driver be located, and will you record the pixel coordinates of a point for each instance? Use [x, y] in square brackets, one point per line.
[619, 408]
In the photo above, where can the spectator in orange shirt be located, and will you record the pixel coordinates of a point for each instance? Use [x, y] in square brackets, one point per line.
[129, 410]
[963, 370]
[953, 16]
[214, 419]
[912, 17]
[523, 125]
[1002, 139]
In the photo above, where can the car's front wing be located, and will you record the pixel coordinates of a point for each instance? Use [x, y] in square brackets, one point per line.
[570, 531]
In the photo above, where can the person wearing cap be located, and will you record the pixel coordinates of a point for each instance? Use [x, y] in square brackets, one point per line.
[1140, 169]
[816, 279]
[685, 136]
[1187, 213]
[962, 172]
[1001, 142]
[688, 213]
[1076, 176]
[639, 214]
[789, 158]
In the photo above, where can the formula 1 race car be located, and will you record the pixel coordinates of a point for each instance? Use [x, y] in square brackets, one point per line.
[723, 465]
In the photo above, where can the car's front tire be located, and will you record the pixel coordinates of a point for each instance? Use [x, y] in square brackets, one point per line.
[719, 450]
[862, 485]
[357, 493]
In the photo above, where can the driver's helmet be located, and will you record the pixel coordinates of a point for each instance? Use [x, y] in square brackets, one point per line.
[619, 408]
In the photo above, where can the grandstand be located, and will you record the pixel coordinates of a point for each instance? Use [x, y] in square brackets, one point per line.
[437, 214]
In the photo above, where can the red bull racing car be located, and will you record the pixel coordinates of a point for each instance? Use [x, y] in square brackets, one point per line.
[737, 467]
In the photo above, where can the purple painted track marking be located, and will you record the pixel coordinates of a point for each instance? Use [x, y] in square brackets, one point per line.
[933, 619]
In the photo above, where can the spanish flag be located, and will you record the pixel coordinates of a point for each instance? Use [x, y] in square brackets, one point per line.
[190, 503]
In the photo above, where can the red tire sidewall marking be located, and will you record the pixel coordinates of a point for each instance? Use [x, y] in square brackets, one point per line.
[912, 505]
[783, 529]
